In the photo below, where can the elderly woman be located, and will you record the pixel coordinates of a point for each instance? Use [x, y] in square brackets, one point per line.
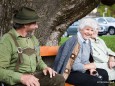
[73, 62]
[102, 55]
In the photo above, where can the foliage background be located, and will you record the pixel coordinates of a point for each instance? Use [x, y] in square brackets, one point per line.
[110, 11]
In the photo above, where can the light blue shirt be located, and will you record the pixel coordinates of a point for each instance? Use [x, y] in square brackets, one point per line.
[83, 55]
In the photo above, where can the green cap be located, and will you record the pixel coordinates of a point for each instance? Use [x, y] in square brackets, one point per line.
[25, 15]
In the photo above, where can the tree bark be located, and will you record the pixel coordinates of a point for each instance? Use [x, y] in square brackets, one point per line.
[54, 16]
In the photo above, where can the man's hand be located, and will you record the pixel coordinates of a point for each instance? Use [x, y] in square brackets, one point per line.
[50, 71]
[29, 80]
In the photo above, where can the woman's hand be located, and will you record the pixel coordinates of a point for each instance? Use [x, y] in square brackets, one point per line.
[92, 71]
[111, 62]
[89, 66]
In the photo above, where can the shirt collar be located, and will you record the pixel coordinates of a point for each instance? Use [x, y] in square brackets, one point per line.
[96, 40]
[15, 33]
[81, 38]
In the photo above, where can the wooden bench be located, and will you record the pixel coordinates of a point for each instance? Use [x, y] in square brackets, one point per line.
[49, 52]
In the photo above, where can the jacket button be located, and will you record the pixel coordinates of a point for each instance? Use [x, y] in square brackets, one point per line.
[72, 55]
[66, 70]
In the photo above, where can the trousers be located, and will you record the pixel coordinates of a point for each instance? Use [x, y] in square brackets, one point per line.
[45, 80]
[84, 79]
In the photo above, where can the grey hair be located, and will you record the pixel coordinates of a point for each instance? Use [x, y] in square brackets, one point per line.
[88, 22]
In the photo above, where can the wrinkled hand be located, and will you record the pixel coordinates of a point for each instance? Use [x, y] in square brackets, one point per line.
[111, 62]
[89, 66]
[91, 71]
[50, 71]
[29, 80]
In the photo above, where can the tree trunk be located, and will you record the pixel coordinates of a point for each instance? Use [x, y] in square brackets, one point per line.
[54, 16]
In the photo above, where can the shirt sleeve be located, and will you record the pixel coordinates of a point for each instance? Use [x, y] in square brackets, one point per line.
[40, 65]
[8, 76]
[109, 51]
[78, 66]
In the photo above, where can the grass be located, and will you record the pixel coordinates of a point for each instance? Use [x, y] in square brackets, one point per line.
[63, 39]
[109, 40]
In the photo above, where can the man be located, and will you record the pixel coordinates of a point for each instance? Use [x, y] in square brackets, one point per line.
[20, 63]
[73, 58]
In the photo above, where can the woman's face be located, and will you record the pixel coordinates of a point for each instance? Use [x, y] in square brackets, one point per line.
[86, 32]
[95, 34]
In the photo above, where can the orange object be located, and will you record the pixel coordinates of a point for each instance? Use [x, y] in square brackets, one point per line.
[66, 84]
[48, 50]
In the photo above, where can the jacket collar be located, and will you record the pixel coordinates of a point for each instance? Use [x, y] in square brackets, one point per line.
[80, 38]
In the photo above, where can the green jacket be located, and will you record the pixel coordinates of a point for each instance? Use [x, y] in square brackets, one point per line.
[9, 56]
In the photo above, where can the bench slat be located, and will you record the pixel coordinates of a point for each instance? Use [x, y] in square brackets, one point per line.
[66, 84]
[48, 50]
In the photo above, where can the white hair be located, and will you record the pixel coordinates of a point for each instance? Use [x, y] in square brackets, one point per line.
[88, 22]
